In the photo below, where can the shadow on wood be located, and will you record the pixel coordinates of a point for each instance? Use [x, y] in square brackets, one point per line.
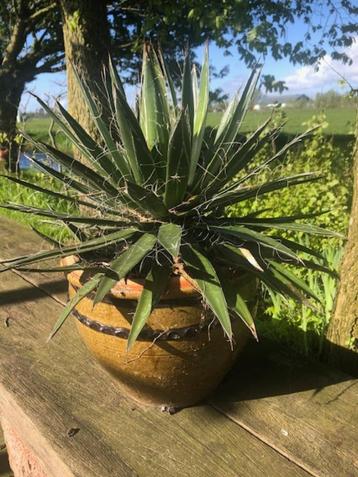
[267, 370]
[5, 470]
[25, 293]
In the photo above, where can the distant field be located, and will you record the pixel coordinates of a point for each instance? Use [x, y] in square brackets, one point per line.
[341, 121]
[39, 128]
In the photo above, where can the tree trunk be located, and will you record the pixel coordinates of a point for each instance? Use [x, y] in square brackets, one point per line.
[87, 42]
[342, 334]
[11, 90]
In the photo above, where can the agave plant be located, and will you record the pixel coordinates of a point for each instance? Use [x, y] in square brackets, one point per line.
[154, 192]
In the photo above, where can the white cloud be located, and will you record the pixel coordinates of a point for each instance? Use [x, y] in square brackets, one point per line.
[306, 79]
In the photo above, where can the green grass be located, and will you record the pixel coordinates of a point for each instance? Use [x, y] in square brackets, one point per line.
[11, 192]
[39, 129]
[341, 120]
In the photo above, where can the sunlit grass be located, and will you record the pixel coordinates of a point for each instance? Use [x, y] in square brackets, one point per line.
[341, 120]
[11, 192]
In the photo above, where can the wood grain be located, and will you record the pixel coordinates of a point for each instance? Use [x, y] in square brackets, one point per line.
[303, 409]
[59, 387]
[18, 240]
[274, 415]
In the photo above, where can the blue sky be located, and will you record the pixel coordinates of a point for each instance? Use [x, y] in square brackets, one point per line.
[299, 79]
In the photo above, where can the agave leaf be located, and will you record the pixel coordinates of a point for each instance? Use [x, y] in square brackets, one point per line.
[58, 195]
[226, 117]
[169, 236]
[70, 268]
[250, 258]
[239, 159]
[76, 136]
[100, 159]
[169, 81]
[200, 114]
[298, 247]
[252, 219]
[210, 288]
[146, 200]
[248, 235]
[272, 278]
[90, 245]
[84, 291]
[240, 257]
[45, 237]
[77, 232]
[279, 155]
[97, 221]
[281, 283]
[305, 228]
[154, 118]
[300, 262]
[118, 159]
[178, 162]
[65, 179]
[116, 80]
[154, 286]
[125, 263]
[76, 167]
[229, 197]
[296, 281]
[230, 131]
[134, 142]
[195, 86]
[64, 128]
[187, 90]
[233, 121]
[237, 304]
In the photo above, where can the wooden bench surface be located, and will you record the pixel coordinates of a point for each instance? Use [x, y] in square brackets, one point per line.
[274, 415]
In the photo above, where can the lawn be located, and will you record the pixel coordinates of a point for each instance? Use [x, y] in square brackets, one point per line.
[39, 128]
[341, 121]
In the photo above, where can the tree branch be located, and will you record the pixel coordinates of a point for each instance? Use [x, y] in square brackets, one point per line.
[42, 12]
[49, 66]
[17, 39]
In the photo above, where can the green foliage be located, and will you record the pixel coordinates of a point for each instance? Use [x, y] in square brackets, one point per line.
[158, 191]
[13, 192]
[332, 99]
[6, 140]
[333, 194]
[295, 324]
[285, 319]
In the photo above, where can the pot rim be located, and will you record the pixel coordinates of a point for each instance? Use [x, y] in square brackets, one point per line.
[131, 288]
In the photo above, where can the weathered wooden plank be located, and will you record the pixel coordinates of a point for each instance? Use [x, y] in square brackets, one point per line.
[306, 411]
[47, 389]
[18, 240]
[304, 425]
[5, 470]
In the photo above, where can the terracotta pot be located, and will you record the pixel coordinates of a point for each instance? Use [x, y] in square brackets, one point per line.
[182, 353]
[4, 153]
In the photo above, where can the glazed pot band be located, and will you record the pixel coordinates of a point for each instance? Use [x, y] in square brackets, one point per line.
[147, 334]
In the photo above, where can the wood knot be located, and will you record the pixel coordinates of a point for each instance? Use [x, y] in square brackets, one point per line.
[73, 431]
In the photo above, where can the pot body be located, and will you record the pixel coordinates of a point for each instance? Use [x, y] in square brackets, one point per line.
[4, 153]
[182, 353]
